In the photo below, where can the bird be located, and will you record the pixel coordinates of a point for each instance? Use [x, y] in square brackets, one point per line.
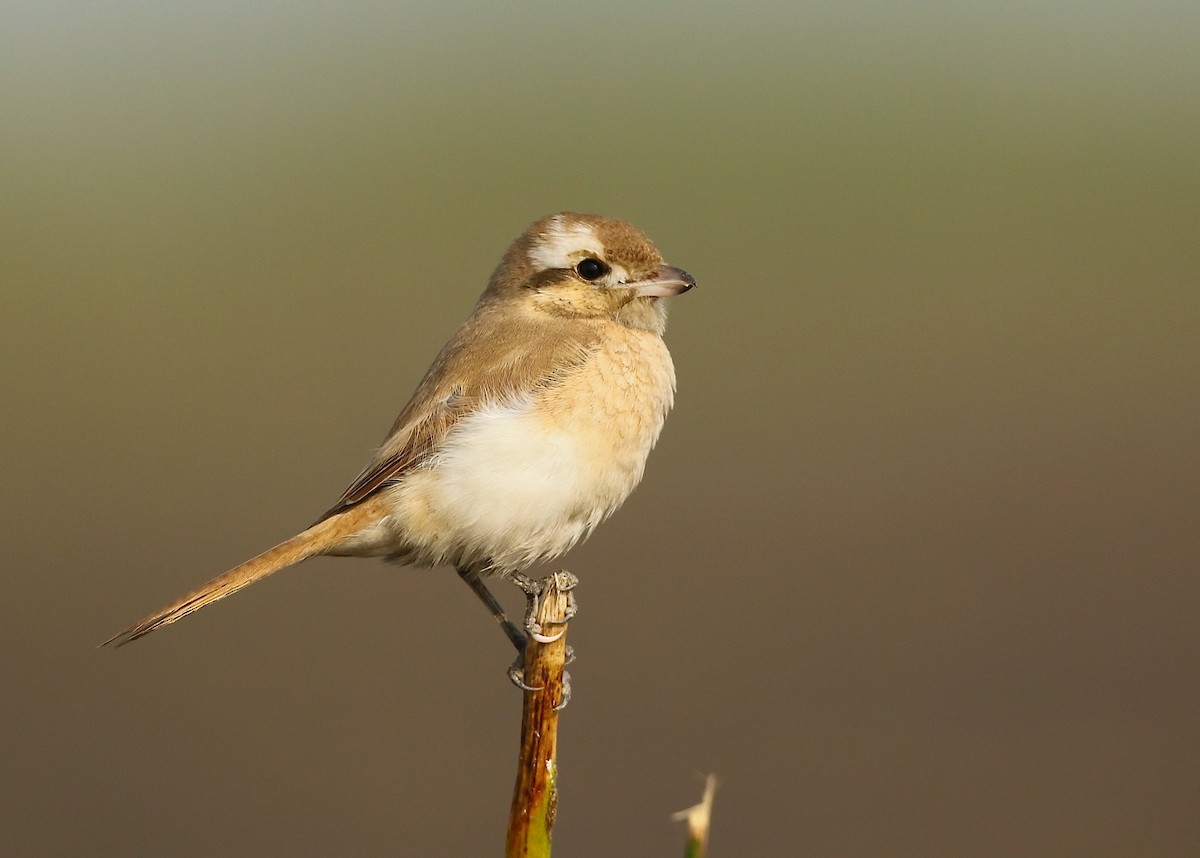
[532, 425]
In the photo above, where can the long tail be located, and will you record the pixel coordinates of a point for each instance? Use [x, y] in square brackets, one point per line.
[318, 539]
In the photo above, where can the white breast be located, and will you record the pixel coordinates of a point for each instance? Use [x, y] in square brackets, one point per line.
[508, 472]
[523, 480]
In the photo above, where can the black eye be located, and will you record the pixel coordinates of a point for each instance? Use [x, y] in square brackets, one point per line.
[591, 269]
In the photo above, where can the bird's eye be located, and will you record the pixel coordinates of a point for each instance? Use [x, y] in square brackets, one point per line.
[591, 269]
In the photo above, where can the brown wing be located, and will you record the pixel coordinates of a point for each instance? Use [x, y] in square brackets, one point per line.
[498, 355]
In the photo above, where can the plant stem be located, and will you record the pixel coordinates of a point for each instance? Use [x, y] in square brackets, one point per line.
[535, 795]
[697, 818]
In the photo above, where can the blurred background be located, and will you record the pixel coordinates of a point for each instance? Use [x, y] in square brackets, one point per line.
[913, 569]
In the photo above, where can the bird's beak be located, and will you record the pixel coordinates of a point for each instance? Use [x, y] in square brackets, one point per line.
[667, 282]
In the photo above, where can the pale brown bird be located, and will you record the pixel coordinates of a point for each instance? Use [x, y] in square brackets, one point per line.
[532, 426]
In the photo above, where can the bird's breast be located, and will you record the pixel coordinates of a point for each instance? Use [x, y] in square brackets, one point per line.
[523, 479]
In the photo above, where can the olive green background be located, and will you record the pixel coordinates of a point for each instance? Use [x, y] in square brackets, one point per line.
[913, 569]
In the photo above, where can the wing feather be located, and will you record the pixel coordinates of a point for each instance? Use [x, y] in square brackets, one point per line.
[488, 361]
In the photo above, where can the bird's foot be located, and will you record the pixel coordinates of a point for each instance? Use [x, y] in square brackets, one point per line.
[516, 674]
[565, 582]
[566, 693]
[533, 590]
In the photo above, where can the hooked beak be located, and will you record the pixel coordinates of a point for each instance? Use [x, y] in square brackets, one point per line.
[667, 282]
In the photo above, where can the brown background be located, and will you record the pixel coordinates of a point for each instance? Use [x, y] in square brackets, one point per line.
[913, 570]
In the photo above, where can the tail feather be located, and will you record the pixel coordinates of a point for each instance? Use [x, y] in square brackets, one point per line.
[318, 539]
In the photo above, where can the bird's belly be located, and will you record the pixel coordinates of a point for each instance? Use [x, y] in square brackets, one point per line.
[522, 481]
[511, 487]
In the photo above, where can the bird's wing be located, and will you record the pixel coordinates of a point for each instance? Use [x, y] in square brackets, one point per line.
[489, 361]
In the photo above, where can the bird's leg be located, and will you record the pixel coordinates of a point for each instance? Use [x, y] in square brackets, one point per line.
[515, 634]
[516, 672]
[518, 636]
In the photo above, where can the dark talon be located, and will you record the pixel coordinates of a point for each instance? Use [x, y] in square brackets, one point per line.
[516, 675]
[566, 693]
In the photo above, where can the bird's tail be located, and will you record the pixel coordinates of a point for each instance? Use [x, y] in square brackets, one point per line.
[318, 539]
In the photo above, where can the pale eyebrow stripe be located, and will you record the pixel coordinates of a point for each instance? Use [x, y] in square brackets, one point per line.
[558, 246]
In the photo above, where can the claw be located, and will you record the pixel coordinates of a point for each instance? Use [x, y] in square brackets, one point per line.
[521, 684]
[545, 639]
[516, 675]
[566, 693]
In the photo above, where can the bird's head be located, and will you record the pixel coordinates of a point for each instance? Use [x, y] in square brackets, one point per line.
[587, 266]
